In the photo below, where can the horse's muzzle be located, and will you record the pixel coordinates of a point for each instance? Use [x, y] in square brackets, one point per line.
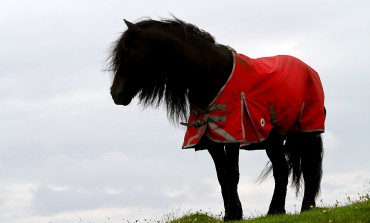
[120, 99]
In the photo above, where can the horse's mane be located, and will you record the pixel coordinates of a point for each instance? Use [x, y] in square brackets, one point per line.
[182, 28]
[178, 26]
[164, 88]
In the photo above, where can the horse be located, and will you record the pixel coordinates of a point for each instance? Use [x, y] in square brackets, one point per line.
[228, 102]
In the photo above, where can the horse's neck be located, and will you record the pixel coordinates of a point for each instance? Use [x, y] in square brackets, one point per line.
[202, 69]
[210, 76]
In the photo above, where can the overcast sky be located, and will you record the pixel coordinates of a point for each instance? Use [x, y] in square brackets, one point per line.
[69, 154]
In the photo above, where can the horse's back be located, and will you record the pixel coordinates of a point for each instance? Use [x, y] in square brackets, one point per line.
[285, 91]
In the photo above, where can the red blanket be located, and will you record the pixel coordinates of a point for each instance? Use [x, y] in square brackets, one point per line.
[279, 92]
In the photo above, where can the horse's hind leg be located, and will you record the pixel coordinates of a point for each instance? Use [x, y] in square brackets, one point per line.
[276, 154]
[311, 164]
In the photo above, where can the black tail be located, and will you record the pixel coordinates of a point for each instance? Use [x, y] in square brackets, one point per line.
[304, 153]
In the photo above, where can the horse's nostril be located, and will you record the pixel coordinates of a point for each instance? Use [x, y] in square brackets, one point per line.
[119, 94]
[116, 96]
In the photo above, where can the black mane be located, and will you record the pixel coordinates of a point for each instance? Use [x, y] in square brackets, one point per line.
[178, 26]
[184, 29]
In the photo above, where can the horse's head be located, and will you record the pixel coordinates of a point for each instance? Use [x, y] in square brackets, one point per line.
[132, 63]
[157, 61]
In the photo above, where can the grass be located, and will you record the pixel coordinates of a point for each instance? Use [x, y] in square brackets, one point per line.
[353, 211]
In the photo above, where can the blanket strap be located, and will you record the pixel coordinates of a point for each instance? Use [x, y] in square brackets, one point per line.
[198, 111]
[206, 120]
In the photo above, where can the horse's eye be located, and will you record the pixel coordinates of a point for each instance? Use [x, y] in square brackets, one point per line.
[124, 47]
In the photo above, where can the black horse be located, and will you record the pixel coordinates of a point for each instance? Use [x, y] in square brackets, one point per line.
[175, 63]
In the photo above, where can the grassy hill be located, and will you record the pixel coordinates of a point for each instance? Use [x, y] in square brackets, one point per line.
[354, 212]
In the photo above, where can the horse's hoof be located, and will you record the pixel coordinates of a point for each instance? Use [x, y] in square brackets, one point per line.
[274, 212]
[233, 217]
[307, 205]
[306, 208]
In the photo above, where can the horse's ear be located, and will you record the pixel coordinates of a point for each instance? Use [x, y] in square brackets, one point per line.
[130, 25]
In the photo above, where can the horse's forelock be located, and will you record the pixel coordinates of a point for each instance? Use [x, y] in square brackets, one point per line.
[115, 55]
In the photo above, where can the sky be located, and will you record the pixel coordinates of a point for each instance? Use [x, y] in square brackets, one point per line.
[69, 154]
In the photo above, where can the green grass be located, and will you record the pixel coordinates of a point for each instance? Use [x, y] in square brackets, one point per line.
[357, 211]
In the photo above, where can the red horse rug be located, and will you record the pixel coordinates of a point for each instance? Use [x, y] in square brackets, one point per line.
[280, 93]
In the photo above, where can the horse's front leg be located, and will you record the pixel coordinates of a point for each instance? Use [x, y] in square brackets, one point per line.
[227, 167]
[232, 169]
[218, 155]
[276, 154]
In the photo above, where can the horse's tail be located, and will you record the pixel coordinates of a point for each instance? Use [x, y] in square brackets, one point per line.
[304, 153]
